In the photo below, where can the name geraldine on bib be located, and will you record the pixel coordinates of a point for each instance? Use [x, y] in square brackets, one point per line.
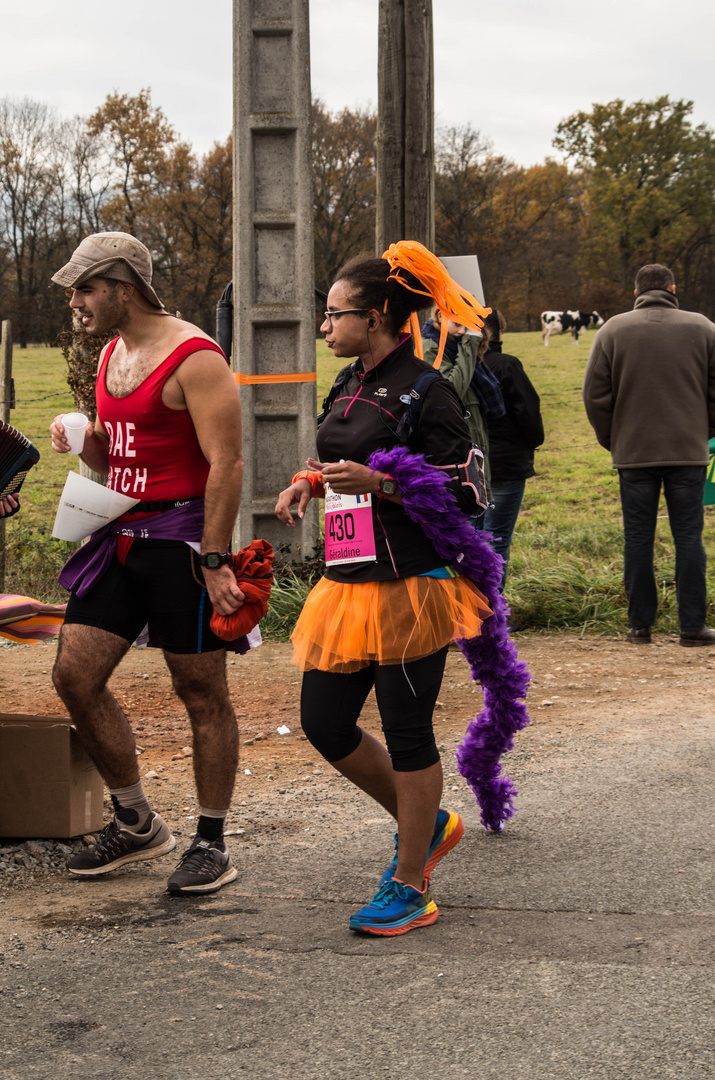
[349, 530]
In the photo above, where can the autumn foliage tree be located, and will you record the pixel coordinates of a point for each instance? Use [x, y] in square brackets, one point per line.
[522, 223]
[138, 136]
[178, 203]
[636, 185]
[649, 176]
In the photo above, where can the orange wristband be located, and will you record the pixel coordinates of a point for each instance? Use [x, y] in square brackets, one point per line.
[316, 482]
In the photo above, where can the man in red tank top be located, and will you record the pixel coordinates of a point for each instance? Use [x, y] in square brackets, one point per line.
[168, 432]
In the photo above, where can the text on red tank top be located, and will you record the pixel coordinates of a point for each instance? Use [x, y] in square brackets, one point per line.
[154, 452]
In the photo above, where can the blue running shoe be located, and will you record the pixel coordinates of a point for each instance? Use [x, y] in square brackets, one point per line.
[448, 831]
[395, 909]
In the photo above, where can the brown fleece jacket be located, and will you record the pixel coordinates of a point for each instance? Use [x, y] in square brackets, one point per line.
[649, 388]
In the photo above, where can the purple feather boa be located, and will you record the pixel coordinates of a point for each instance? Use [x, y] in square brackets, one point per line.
[493, 658]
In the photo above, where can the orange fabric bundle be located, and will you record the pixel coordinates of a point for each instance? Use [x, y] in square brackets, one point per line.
[253, 567]
[452, 300]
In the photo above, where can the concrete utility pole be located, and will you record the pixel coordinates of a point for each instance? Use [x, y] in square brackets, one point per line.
[405, 126]
[274, 326]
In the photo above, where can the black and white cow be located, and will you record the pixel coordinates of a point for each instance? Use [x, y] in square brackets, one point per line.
[573, 322]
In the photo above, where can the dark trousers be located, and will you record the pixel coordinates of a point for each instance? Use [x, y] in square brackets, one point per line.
[501, 520]
[683, 486]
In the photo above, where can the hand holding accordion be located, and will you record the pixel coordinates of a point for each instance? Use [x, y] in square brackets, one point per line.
[17, 456]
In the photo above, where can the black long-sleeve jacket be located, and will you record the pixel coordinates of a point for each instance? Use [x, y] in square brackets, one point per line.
[514, 437]
[364, 417]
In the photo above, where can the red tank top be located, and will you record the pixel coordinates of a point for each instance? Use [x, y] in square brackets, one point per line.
[153, 450]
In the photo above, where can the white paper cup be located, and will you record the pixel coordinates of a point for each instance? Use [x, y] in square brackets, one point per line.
[75, 425]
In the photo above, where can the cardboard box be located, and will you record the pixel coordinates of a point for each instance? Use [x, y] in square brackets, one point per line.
[49, 787]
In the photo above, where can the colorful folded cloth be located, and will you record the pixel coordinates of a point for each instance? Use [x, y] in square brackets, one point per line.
[253, 567]
[29, 621]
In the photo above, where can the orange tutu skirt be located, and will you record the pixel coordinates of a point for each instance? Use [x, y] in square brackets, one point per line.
[343, 627]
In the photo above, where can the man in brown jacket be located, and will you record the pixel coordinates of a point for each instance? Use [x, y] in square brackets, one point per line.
[649, 393]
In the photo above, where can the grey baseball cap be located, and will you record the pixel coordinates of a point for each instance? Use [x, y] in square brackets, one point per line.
[116, 255]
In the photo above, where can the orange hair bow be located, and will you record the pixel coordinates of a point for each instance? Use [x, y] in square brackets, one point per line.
[452, 301]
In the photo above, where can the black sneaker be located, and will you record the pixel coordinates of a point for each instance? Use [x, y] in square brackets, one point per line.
[203, 868]
[640, 636]
[697, 637]
[117, 846]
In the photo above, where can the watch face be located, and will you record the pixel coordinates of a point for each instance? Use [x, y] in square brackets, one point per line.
[388, 486]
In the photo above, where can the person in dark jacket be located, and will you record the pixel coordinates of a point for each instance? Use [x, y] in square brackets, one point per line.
[388, 607]
[512, 438]
[649, 394]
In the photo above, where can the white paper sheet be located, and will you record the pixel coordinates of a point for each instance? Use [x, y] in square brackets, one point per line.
[86, 506]
[465, 271]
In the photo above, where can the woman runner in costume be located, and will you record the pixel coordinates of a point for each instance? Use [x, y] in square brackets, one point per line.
[388, 606]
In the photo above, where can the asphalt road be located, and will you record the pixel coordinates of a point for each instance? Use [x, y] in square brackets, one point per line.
[580, 943]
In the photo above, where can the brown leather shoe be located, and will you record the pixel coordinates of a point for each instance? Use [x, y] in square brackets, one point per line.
[639, 637]
[697, 637]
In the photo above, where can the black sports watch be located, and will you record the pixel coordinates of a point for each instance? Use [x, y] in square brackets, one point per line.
[387, 486]
[213, 559]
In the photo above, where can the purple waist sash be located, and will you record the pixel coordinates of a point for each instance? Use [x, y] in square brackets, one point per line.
[85, 567]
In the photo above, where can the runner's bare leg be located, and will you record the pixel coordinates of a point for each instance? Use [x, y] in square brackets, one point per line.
[86, 658]
[200, 682]
[412, 798]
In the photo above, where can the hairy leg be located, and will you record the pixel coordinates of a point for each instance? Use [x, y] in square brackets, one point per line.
[200, 681]
[86, 657]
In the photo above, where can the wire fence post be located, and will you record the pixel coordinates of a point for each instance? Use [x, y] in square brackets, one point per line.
[6, 403]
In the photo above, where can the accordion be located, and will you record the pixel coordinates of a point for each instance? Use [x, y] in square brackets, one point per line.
[17, 456]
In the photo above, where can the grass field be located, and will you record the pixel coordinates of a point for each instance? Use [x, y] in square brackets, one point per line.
[566, 563]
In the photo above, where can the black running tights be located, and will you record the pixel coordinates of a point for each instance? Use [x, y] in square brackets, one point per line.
[331, 704]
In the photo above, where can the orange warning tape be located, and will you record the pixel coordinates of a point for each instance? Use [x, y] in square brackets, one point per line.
[297, 376]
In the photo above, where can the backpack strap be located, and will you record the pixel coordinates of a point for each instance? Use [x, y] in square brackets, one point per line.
[335, 389]
[414, 400]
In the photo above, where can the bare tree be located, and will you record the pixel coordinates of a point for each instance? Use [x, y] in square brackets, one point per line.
[90, 173]
[343, 156]
[30, 183]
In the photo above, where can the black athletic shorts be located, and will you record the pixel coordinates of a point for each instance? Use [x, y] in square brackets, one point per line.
[161, 584]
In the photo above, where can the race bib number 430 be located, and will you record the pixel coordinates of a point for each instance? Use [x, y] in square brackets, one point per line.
[349, 532]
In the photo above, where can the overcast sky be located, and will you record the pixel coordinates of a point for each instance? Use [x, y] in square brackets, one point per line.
[511, 68]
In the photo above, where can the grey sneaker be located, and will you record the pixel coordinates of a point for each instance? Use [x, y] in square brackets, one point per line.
[117, 846]
[203, 868]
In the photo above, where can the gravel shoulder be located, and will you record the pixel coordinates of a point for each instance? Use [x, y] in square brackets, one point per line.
[579, 942]
[581, 688]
